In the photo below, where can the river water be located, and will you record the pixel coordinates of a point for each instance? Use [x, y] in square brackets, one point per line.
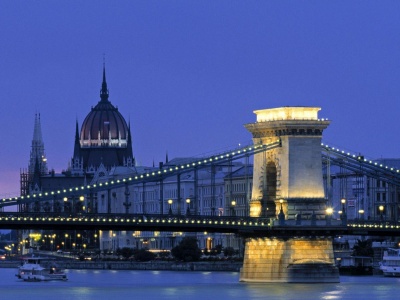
[121, 285]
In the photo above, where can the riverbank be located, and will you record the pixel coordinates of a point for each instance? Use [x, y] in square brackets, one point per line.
[225, 266]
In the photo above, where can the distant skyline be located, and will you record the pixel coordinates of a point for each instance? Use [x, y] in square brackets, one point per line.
[188, 75]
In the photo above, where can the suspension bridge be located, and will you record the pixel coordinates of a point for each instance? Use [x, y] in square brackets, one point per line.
[290, 207]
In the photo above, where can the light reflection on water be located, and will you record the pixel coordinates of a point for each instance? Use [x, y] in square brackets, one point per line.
[116, 285]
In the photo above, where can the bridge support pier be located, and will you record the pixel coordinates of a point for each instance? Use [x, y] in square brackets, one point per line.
[301, 260]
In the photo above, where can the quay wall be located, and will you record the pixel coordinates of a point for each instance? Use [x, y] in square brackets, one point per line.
[152, 265]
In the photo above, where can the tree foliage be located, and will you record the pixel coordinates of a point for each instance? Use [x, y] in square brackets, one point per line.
[229, 251]
[187, 250]
[144, 255]
[125, 252]
[363, 248]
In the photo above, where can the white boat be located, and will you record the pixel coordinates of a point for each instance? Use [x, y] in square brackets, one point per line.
[390, 264]
[40, 269]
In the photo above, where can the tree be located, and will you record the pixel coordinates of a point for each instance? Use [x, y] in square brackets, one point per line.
[363, 248]
[229, 251]
[144, 255]
[126, 252]
[187, 250]
[217, 249]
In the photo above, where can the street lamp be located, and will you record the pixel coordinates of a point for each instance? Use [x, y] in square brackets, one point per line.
[82, 199]
[187, 206]
[170, 206]
[65, 199]
[343, 215]
[233, 204]
[65, 241]
[361, 213]
[79, 241]
[381, 208]
[281, 215]
[329, 212]
[343, 201]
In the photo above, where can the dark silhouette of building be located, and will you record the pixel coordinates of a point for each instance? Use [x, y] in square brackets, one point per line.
[103, 142]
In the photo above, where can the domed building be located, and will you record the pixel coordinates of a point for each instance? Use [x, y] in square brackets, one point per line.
[103, 143]
[104, 138]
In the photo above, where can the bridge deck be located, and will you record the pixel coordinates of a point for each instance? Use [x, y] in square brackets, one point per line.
[251, 227]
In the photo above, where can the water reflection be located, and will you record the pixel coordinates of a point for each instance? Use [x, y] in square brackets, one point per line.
[116, 285]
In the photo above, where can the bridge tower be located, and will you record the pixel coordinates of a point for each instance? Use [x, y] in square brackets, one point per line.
[289, 178]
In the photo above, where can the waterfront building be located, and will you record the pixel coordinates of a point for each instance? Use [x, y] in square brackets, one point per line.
[190, 193]
[357, 196]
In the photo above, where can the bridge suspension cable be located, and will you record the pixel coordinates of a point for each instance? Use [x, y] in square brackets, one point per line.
[360, 165]
[156, 174]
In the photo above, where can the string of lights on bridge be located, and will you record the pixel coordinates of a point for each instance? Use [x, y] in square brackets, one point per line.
[202, 222]
[375, 225]
[361, 158]
[148, 175]
[161, 220]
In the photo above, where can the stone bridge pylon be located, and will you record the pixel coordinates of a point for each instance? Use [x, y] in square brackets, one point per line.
[292, 172]
[290, 177]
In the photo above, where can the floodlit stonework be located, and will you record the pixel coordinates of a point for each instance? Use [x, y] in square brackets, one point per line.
[292, 172]
[288, 178]
[293, 260]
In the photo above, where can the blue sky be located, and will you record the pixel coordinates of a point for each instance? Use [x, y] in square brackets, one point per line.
[189, 74]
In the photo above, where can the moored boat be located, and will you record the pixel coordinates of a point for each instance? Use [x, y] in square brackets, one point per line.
[390, 264]
[40, 269]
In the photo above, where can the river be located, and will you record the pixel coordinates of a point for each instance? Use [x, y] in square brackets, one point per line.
[119, 285]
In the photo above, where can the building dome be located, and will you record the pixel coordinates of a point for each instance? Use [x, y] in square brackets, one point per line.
[104, 125]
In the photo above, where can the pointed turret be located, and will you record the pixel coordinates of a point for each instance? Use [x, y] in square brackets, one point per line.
[76, 161]
[77, 146]
[36, 175]
[104, 90]
[37, 130]
[37, 149]
[129, 160]
[129, 140]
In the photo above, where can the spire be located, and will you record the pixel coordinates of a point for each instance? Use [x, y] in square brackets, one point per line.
[37, 149]
[104, 90]
[77, 145]
[129, 144]
[37, 129]
[36, 174]
[129, 140]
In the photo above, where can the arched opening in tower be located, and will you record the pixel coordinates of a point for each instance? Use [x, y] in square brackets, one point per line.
[271, 189]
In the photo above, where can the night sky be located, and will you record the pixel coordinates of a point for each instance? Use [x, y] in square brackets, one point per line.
[188, 74]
